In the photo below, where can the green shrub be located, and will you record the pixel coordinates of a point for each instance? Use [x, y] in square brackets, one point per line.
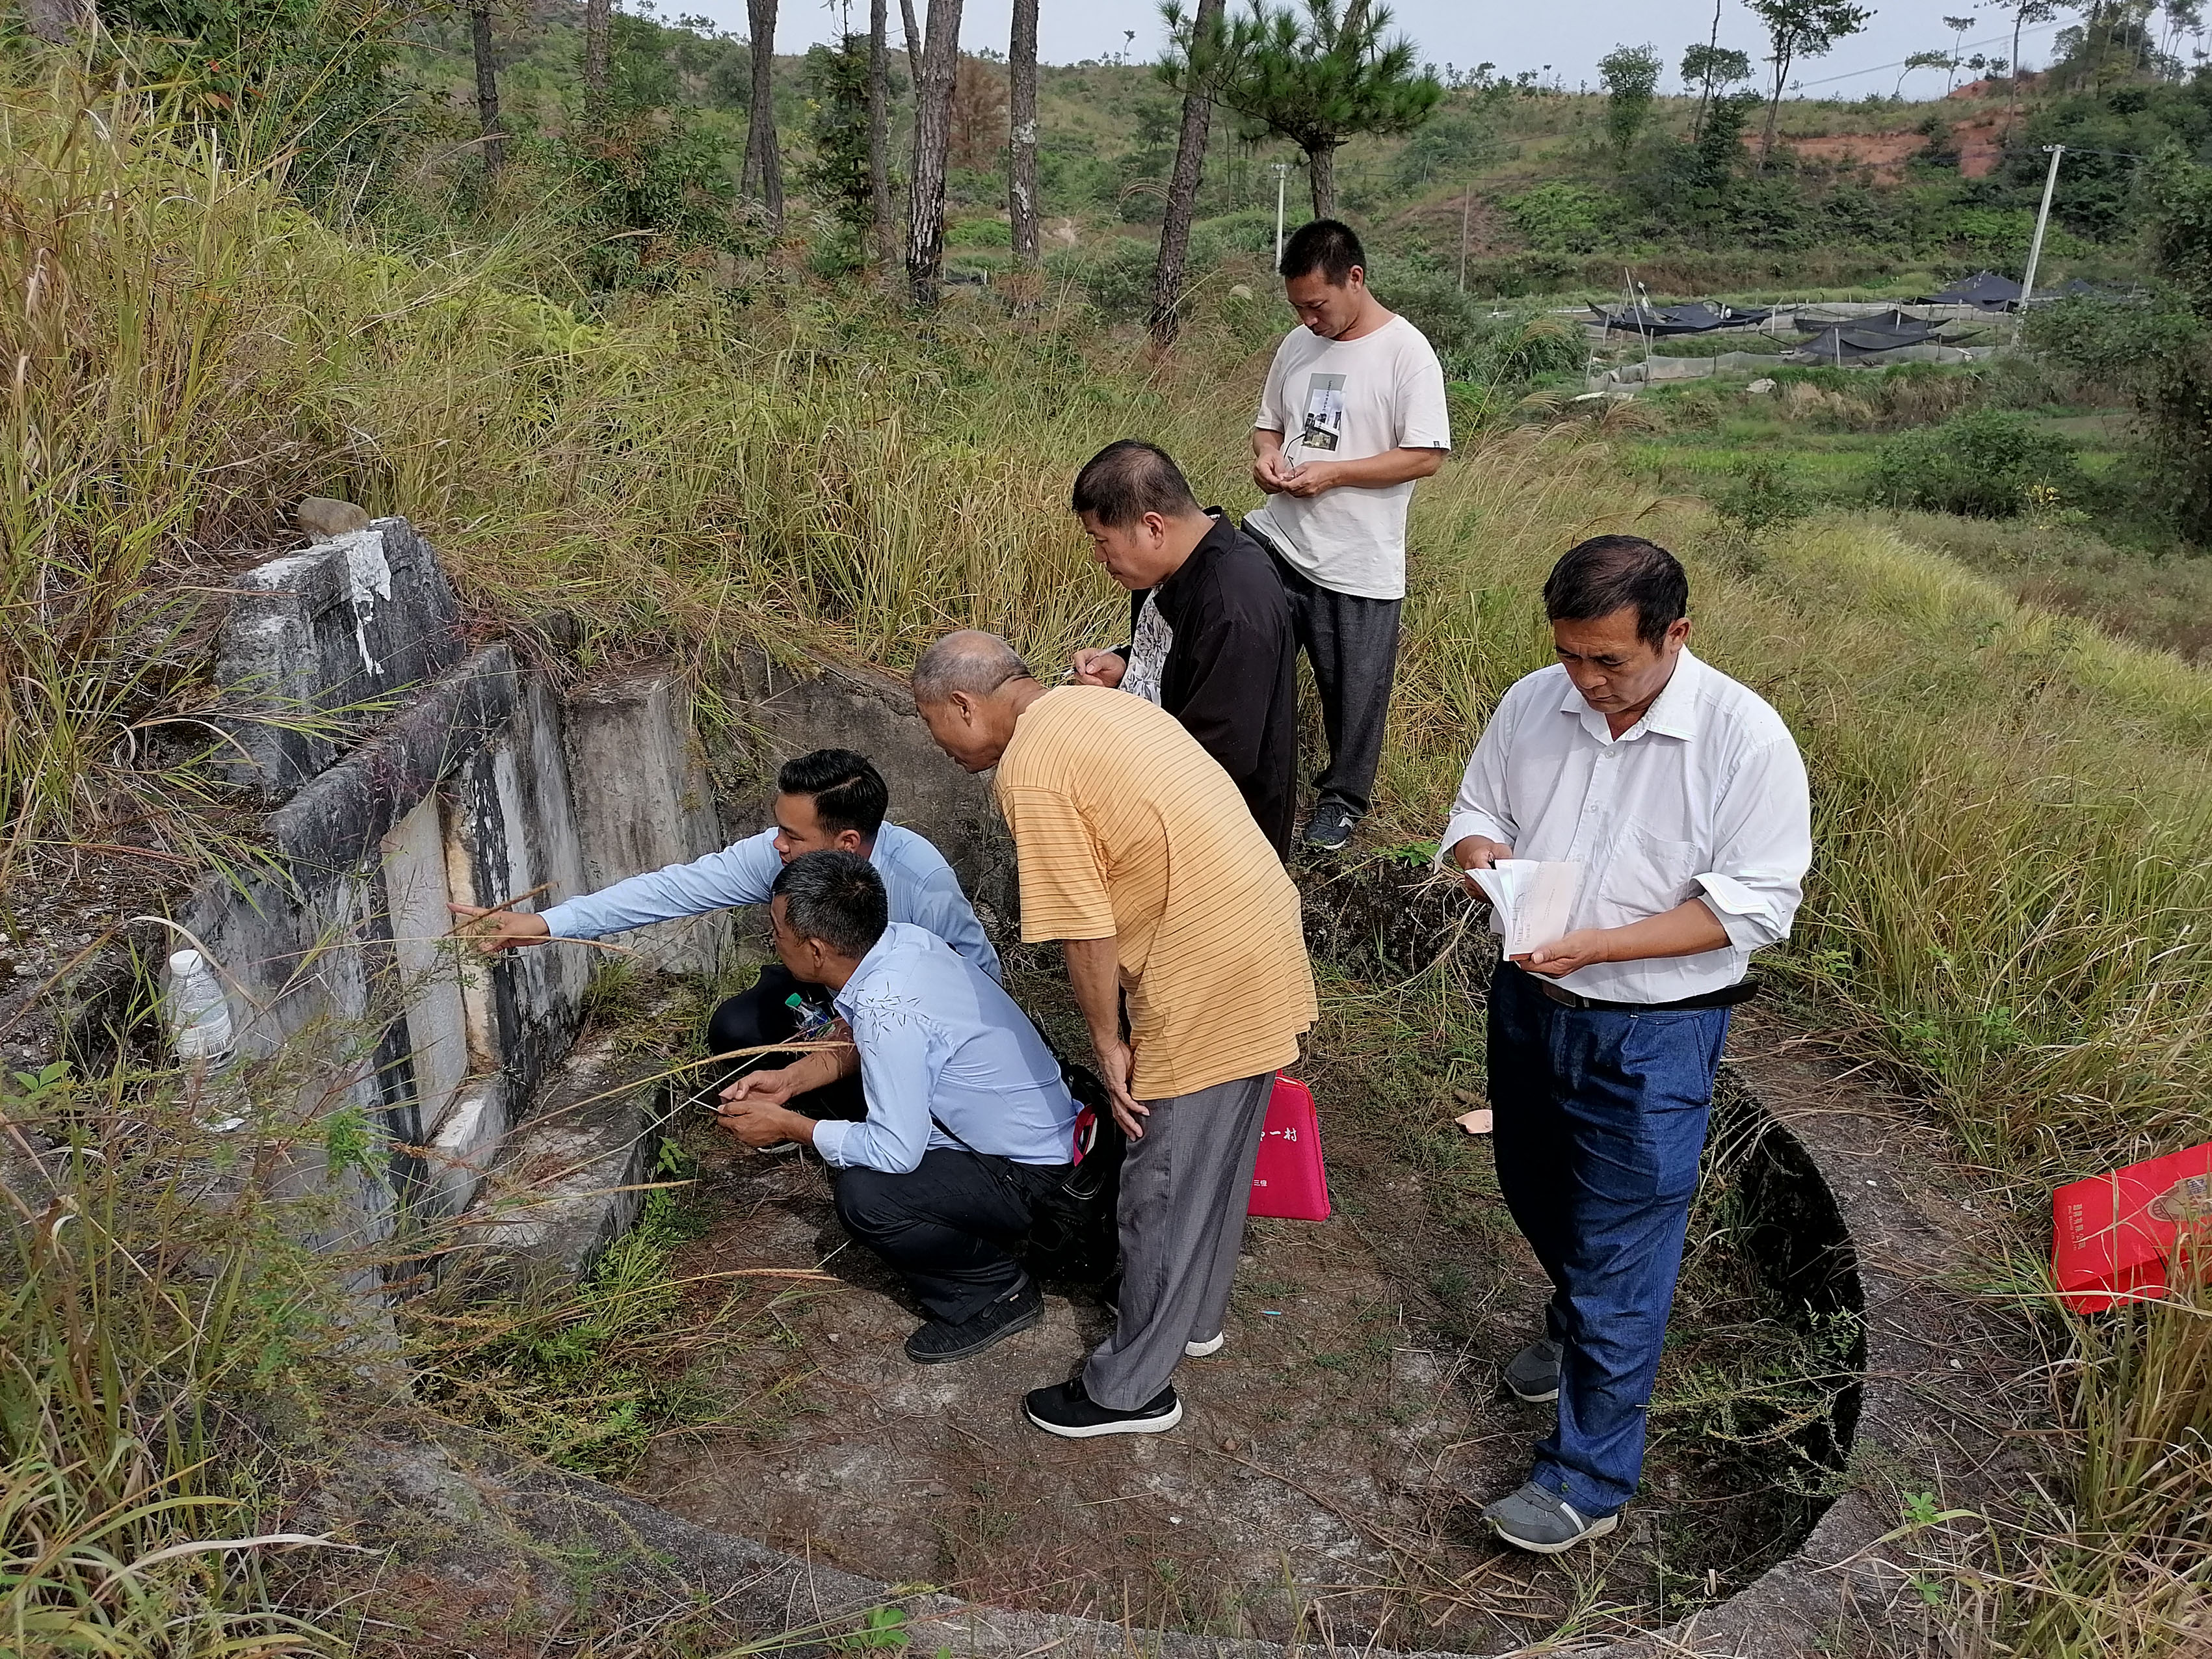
[1982, 464]
[1117, 277]
[1762, 494]
[979, 233]
[1561, 218]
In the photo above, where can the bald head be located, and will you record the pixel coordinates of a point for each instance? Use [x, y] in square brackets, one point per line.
[970, 688]
[971, 661]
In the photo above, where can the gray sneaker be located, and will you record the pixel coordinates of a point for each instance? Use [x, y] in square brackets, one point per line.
[1330, 828]
[1543, 1523]
[1532, 1374]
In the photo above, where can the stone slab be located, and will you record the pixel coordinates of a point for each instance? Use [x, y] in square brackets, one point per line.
[319, 644]
[459, 1154]
[809, 700]
[643, 800]
[569, 1179]
[333, 825]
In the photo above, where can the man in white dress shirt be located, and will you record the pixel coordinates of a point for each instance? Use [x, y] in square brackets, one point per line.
[1681, 796]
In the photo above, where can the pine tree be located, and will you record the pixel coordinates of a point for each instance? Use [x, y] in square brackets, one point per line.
[1193, 61]
[1321, 76]
[932, 133]
[1795, 30]
[763, 170]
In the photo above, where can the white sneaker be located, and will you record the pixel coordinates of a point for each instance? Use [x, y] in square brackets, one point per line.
[1207, 1349]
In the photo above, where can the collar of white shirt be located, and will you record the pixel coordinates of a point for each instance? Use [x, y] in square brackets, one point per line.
[1674, 713]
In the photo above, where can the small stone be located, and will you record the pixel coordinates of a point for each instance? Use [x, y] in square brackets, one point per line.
[1475, 1123]
[1229, 1443]
[326, 518]
[1760, 386]
[1467, 1096]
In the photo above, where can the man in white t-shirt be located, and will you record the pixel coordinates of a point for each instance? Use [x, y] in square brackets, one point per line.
[1352, 414]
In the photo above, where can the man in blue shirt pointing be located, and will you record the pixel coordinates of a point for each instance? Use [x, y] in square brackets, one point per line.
[832, 798]
[968, 1119]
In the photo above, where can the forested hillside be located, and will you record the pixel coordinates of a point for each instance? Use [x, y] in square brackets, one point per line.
[1531, 184]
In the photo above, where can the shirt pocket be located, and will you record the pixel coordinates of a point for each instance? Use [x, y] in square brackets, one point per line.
[1649, 876]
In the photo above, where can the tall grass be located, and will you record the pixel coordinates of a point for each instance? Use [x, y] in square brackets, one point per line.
[147, 1286]
[2014, 816]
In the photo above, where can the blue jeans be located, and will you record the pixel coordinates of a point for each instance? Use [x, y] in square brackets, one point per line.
[1600, 1119]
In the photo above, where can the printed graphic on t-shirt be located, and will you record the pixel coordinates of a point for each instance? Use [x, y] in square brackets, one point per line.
[1148, 652]
[1324, 423]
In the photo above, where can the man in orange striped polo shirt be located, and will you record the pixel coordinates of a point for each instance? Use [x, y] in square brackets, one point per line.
[1137, 852]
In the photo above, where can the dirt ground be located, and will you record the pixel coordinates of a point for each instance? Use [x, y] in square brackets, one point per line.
[1325, 1479]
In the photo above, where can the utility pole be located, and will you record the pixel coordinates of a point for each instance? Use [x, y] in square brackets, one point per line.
[1282, 177]
[2035, 244]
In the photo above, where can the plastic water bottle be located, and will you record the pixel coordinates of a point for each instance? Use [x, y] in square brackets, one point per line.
[813, 1019]
[198, 1013]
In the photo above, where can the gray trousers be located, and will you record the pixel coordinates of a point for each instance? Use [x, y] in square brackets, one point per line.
[1352, 644]
[1185, 1187]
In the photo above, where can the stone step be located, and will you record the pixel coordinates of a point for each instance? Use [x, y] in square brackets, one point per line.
[568, 1179]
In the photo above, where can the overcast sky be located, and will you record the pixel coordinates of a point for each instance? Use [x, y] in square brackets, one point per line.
[1570, 36]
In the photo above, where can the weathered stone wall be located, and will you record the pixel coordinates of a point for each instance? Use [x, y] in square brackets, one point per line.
[436, 775]
[813, 703]
[405, 771]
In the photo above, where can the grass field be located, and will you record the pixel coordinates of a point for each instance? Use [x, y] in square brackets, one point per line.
[2015, 820]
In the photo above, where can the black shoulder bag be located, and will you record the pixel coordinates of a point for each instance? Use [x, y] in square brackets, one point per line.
[1073, 1233]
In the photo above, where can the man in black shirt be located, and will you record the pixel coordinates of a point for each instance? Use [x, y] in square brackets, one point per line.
[1209, 639]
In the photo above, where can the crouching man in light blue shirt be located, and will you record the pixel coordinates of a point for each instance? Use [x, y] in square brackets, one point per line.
[967, 1116]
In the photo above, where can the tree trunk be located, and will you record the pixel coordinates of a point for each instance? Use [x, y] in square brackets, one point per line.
[55, 21]
[1022, 143]
[1321, 171]
[595, 59]
[763, 171]
[1182, 188]
[495, 137]
[2012, 86]
[1773, 108]
[913, 45]
[1705, 91]
[932, 132]
[879, 148]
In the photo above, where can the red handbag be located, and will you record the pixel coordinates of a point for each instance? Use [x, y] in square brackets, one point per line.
[2116, 1237]
[1288, 1182]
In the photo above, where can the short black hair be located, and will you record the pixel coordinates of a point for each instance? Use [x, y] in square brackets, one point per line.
[1328, 245]
[848, 792]
[1129, 478]
[1607, 574]
[835, 896]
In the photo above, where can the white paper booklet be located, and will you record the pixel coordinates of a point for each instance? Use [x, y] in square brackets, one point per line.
[1533, 899]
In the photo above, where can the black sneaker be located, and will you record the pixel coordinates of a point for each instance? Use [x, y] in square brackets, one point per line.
[1533, 1375]
[1330, 828]
[940, 1341]
[1068, 1411]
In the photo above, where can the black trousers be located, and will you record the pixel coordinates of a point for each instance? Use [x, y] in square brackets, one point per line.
[949, 1227]
[764, 1015]
[1351, 645]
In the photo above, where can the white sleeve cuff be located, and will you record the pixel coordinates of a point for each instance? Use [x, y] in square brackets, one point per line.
[1747, 917]
[1471, 822]
[829, 1141]
[560, 923]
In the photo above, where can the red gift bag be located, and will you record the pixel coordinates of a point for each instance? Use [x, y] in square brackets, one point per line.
[1288, 1182]
[2113, 1236]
